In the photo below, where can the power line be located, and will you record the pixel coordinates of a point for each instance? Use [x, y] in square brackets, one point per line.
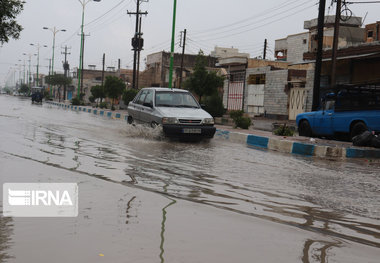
[265, 12]
[261, 20]
[100, 17]
[260, 26]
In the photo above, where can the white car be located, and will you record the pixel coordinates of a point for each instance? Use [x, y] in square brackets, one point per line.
[176, 110]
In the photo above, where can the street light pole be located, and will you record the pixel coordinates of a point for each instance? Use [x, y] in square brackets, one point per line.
[29, 73]
[83, 3]
[172, 47]
[38, 60]
[54, 31]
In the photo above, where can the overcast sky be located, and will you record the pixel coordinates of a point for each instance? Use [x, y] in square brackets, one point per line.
[242, 24]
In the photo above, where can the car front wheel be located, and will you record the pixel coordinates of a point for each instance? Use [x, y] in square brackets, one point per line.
[304, 129]
[130, 120]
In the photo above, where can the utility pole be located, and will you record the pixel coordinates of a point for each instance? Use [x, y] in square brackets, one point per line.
[82, 60]
[137, 41]
[103, 62]
[66, 67]
[183, 55]
[318, 62]
[24, 73]
[49, 87]
[265, 49]
[138, 59]
[335, 44]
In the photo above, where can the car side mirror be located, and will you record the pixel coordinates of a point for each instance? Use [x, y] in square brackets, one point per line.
[203, 106]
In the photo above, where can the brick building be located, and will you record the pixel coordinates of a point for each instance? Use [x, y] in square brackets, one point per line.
[372, 32]
[156, 73]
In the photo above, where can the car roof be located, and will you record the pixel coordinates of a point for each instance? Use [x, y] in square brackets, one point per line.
[166, 89]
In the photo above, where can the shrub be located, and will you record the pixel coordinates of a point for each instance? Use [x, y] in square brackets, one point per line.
[47, 95]
[214, 105]
[235, 114]
[129, 95]
[103, 105]
[243, 122]
[76, 101]
[283, 131]
[240, 121]
[91, 99]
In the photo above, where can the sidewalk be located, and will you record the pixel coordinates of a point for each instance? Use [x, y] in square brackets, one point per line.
[295, 145]
[258, 136]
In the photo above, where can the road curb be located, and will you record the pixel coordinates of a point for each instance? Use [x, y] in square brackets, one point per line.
[92, 111]
[261, 142]
[297, 148]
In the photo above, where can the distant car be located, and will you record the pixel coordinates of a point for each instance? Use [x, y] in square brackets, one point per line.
[37, 94]
[351, 112]
[176, 110]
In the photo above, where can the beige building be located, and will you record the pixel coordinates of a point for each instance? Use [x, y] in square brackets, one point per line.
[292, 47]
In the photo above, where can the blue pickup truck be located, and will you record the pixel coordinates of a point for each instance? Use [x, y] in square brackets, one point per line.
[349, 113]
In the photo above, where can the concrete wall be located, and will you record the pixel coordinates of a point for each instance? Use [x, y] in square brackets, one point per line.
[297, 45]
[222, 52]
[275, 98]
[259, 63]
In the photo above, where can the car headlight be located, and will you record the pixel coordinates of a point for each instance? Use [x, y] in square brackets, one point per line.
[169, 120]
[208, 121]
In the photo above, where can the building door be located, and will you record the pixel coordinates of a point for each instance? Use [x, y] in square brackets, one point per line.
[256, 99]
[236, 91]
[297, 102]
[69, 95]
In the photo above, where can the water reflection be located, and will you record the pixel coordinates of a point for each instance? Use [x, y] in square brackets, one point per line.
[316, 251]
[162, 234]
[127, 211]
[6, 230]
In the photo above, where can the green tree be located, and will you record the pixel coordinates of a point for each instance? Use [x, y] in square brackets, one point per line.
[129, 95]
[9, 28]
[24, 89]
[58, 80]
[7, 90]
[214, 105]
[202, 82]
[114, 87]
[98, 92]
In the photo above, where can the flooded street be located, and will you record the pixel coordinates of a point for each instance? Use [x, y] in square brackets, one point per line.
[143, 198]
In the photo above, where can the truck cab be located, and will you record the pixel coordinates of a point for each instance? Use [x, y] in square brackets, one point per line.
[349, 112]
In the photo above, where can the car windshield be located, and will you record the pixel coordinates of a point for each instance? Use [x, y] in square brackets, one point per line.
[175, 99]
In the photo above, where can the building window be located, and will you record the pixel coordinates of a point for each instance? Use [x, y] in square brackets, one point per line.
[237, 77]
[256, 79]
[304, 41]
[370, 34]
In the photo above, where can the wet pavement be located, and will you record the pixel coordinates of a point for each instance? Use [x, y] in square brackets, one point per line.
[143, 198]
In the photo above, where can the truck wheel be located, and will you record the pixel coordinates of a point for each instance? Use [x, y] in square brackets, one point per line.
[357, 129]
[130, 120]
[304, 129]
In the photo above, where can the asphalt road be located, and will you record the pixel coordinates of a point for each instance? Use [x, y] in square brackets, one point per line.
[143, 198]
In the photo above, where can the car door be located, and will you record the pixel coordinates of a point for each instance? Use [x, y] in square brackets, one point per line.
[136, 107]
[147, 108]
[323, 120]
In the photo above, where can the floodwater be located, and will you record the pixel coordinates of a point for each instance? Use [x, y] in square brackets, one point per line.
[143, 198]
